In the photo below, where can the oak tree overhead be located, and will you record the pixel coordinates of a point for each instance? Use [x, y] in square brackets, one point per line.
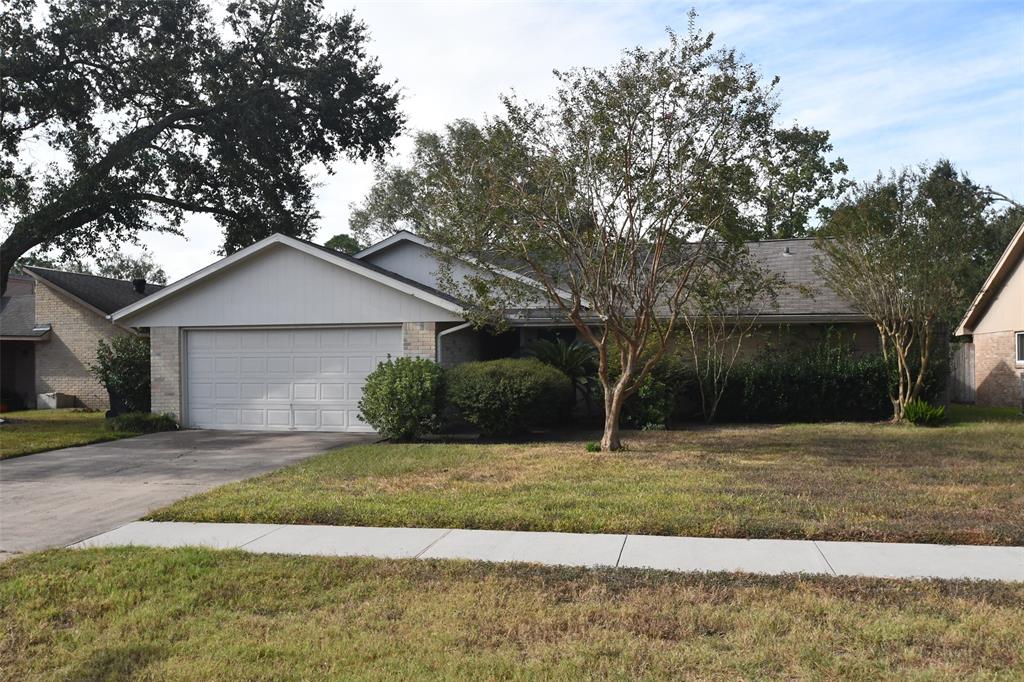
[617, 195]
[125, 115]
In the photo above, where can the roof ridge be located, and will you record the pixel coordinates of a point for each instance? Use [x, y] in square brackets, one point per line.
[33, 268]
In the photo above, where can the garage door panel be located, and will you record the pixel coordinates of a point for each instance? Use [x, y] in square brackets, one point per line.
[276, 379]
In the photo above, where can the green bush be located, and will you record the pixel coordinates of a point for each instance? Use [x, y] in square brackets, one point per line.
[402, 398]
[508, 396]
[142, 422]
[122, 366]
[921, 413]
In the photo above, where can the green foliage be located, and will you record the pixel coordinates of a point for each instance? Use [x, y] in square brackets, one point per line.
[655, 403]
[508, 396]
[122, 366]
[152, 111]
[593, 446]
[921, 413]
[576, 360]
[402, 397]
[141, 422]
[345, 243]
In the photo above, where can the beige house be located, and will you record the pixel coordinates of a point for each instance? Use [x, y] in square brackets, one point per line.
[51, 323]
[995, 320]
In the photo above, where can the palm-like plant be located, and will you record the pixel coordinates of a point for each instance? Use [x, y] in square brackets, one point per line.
[576, 360]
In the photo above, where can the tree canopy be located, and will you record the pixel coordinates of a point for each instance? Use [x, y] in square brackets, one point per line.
[140, 113]
[345, 243]
[614, 198]
[906, 250]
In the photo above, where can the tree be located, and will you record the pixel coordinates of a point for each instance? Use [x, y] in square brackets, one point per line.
[609, 200]
[121, 266]
[900, 250]
[723, 310]
[345, 243]
[151, 111]
[116, 264]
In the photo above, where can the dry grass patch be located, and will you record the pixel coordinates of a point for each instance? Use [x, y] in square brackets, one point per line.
[32, 431]
[192, 614]
[959, 484]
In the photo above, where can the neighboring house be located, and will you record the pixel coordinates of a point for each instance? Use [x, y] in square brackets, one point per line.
[995, 321]
[282, 334]
[51, 324]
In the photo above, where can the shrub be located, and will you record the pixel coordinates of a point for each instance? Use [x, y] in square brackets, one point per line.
[122, 366]
[402, 398]
[576, 360]
[921, 413]
[142, 422]
[508, 396]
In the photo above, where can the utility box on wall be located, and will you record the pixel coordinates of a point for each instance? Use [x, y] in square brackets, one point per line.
[52, 401]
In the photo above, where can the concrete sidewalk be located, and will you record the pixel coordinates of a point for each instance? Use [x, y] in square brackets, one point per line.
[770, 557]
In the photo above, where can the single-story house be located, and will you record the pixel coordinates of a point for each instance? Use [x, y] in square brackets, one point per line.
[995, 324]
[51, 323]
[282, 334]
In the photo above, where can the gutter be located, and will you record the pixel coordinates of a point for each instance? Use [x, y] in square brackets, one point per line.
[440, 346]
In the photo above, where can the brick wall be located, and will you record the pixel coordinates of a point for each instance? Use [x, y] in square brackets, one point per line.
[458, 347]
[419, 340]
[62, 362]
[165, 370]
[996, 374]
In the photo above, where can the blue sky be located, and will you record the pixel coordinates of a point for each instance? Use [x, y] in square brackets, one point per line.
[896, 83]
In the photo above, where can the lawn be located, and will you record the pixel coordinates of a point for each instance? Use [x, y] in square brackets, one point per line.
[32, 431]
[963, 483]
[191, 614]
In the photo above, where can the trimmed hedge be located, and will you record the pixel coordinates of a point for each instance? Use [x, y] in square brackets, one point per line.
[142, 422]
[402, 397]
[508, 396]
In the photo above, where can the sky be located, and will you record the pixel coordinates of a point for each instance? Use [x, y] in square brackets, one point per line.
[896, 83]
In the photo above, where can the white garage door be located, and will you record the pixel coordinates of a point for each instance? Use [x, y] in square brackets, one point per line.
[281, 379]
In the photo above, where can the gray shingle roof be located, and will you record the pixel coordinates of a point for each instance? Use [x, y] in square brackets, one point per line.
[18, 316]
[796, 261]
[103, 293]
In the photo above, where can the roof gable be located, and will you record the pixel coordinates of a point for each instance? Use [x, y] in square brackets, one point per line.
[286, 277]
[1012, 258]
[102, 295]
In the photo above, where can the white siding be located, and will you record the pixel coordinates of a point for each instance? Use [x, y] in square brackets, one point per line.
[417, 262]
[284, 286]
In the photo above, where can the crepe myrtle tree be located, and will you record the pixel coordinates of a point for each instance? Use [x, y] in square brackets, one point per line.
[901, 249]
[602, 205]
[126, 115]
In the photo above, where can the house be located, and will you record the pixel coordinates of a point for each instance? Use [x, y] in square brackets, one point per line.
[51, 323]
[995, 323]
[282, 334]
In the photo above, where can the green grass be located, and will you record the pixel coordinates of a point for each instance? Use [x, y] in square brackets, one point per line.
[962, 483]
[191, 614]
[31, 431]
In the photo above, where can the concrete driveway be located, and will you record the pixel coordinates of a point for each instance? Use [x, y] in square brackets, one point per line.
[55, 498]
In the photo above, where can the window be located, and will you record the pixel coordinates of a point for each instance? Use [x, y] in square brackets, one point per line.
[1020, 348]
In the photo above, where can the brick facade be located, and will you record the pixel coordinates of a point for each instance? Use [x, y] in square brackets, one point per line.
[459, 347]
[62, 362]
[419, 340]
[165, 370]
[997, 375]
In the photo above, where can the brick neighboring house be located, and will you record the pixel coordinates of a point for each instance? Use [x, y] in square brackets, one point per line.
[51, 323]
[995, 321]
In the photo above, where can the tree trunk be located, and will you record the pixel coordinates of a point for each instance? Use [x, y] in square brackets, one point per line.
[612, 409]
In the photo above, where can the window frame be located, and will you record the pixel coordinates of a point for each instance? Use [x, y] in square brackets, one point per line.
[1018, 347]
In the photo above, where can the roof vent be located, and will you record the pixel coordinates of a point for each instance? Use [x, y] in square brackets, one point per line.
[139, 284]
[787, 252]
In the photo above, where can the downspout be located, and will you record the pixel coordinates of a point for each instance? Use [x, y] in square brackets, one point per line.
[440, 345]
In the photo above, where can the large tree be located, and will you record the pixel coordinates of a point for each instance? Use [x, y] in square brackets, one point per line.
[613, 198]
[125, 115]
[905, 249]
